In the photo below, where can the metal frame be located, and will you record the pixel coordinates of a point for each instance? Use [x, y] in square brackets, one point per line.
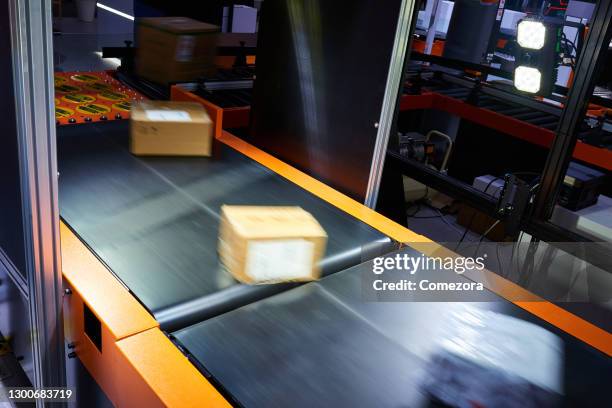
[589, 65]
[390, 99]
[31, 39]
[538, 224]
[597, 255]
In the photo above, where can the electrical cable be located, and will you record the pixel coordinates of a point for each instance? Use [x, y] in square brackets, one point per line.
[447, 222]
[482, 237]
[573, 49]
[425, 217]
[520, 237]
[417, 202]
[467, 228]
[518, 252]
[439, 215]
[499, 262]
[418, 209]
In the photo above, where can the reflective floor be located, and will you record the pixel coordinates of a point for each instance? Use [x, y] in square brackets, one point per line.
[77, 46]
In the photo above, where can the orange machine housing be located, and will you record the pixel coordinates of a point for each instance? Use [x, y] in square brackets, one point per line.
[221, 117]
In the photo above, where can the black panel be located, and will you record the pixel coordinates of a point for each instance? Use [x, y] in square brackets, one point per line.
[469, 30]
[478, 151]
[321, 73]
[11, 224]
[322, 345]
[92, 327]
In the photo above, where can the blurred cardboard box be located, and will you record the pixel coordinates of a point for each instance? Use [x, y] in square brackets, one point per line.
[163, 128]
[270, 244]
[175, 49]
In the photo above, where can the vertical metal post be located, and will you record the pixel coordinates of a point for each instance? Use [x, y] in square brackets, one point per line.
[390, 100]
[433, 22]
[32, 51]
[589, 64]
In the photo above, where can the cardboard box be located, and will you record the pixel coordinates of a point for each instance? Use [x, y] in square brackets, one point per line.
[270, 244]
[163, 128]
[175, 49]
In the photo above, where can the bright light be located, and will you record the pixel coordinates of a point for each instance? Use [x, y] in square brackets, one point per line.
[114, 11]
[531, 34]
[527, 79]
[113, 61]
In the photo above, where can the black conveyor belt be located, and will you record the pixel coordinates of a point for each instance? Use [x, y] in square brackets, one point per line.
[321, 345]
[154, 221]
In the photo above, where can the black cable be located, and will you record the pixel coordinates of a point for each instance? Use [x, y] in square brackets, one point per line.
[573, 48]
[520, 237]
[518, 252]
[418, 201]
[467, 228]
[499, 262]
[418, 206]
[567, 41]
[426, 217]
[525, 173]
[482, 237]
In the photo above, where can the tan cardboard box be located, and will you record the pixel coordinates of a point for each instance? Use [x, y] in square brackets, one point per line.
[175, 49]
[163, 128]
[270, 244]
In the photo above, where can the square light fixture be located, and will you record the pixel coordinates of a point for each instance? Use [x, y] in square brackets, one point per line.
[527, 79]
[531, 34]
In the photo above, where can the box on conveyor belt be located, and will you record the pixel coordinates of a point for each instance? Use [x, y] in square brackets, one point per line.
[164, 128]
[175, 49]
[270, 244]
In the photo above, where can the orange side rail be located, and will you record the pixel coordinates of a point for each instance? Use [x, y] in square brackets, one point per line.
[555, 315]
[155, 373]
[230, 117]
[133, 362]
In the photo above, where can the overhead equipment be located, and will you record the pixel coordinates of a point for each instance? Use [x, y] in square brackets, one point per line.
[537, 56]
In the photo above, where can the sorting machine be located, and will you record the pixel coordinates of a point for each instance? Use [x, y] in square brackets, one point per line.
[156, 321]
[154, 222]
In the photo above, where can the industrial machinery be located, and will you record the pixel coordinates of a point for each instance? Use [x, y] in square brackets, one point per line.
[153, 318]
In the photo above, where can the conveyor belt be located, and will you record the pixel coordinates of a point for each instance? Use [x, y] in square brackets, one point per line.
[539, 114]
[154, 221]
[322, 345]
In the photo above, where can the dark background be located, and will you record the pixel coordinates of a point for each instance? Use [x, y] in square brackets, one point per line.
[314, 59]
[11, 222]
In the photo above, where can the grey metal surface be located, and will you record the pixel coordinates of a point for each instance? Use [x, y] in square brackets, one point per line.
[322, 345]
[154, 221]
[32, 58]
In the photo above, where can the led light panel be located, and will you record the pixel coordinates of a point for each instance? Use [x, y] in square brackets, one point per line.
[531, 34]
[527, 79]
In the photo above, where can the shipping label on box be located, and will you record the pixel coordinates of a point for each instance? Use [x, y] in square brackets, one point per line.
[270, 244]
[280, 260]
[163, 128]
[185, 46]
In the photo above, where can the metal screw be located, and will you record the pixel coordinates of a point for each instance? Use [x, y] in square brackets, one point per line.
[67, 291]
